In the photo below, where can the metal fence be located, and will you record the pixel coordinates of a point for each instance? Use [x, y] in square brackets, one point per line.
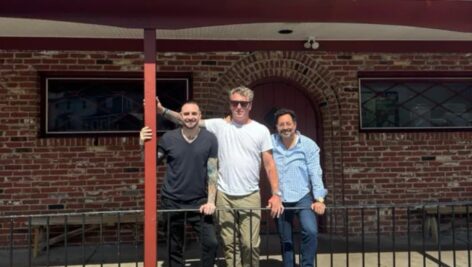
[375, 235]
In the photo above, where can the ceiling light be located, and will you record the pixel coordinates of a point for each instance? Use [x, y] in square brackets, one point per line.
[285, 31]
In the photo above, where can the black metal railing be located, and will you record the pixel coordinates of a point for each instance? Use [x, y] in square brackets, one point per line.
[370, 235]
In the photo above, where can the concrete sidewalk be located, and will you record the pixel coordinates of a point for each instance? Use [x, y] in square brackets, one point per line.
[324, 260]
[332, 253]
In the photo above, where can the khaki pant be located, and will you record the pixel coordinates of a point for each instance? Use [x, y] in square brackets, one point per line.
[240, 228]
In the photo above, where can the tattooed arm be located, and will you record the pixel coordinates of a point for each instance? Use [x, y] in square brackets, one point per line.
[212, 166]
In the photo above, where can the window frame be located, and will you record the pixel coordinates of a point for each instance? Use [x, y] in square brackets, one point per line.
[125, 76]
[409, 76]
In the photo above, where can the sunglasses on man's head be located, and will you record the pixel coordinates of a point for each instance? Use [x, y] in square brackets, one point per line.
[243, 104]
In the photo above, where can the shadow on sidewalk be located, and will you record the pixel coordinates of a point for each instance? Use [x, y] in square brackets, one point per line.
[128, 255]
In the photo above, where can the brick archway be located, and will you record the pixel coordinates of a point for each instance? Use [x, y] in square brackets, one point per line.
[316, 82]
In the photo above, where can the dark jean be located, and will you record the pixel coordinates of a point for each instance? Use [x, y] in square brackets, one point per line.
[309, 232]
[202, 225]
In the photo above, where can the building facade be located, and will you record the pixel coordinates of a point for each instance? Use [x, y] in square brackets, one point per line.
[82, 173]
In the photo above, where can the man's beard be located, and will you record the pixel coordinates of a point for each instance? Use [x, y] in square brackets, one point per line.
[194, 124]
[286, 133]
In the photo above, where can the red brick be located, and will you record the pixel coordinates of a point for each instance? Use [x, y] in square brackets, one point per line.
[376, 167]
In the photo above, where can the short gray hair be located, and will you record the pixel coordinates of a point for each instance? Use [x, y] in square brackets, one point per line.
[244, 91]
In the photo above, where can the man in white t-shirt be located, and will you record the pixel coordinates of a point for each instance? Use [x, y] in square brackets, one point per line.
[243, 145]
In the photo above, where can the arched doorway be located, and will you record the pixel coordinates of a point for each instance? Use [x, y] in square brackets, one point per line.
[272, 94]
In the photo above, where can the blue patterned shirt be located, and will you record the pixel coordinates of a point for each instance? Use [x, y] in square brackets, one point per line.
[298, 168]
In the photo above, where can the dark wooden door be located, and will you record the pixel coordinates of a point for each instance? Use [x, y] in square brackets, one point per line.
[270, 96]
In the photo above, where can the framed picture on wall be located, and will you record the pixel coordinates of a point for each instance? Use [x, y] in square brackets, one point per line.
[105, 103]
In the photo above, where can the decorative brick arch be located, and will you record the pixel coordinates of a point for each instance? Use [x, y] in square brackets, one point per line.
[317, 84]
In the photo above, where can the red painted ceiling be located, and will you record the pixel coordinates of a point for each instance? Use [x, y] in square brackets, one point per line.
[452, 15]
[174, 14]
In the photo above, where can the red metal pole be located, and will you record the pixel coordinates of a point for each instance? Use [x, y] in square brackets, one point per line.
[150, 222]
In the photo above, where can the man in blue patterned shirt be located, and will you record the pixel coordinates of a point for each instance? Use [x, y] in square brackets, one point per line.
[300, 181]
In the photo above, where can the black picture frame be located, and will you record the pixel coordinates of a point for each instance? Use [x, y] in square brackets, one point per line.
[105, 103]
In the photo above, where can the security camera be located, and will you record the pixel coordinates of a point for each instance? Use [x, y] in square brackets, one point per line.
[311, 43]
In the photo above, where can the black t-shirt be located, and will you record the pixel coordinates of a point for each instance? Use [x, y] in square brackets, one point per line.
[186, 176]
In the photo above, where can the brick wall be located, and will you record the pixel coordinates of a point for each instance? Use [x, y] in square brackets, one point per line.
[77, 173]
[102, 173]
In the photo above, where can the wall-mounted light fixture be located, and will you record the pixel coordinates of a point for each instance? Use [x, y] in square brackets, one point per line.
[311, 43]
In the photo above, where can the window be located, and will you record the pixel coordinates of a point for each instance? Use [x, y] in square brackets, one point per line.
[105, 104]
[415, 103]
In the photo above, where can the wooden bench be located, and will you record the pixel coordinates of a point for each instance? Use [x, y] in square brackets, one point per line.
[89, 222]
[431, 223]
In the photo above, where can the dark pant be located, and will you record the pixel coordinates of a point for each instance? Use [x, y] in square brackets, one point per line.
[309, 231]
[202, 225]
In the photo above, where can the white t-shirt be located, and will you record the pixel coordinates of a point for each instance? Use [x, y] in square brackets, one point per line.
[239, 154]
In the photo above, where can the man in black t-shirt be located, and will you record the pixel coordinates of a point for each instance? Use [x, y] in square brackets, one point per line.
[190, 183]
